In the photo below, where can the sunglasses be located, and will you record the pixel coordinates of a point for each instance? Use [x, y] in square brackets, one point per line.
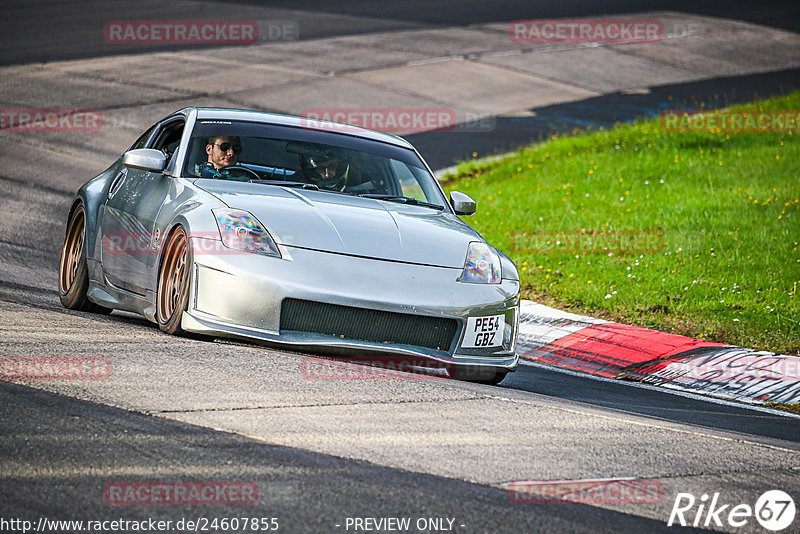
[227, 146]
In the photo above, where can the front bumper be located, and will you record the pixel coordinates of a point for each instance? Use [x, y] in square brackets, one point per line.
[241, 294]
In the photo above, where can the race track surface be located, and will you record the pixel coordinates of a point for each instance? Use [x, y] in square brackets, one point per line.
[461, 441]
[319, 451]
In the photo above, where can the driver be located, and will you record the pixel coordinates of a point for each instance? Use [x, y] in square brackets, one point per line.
[327, 169]
[223, 151]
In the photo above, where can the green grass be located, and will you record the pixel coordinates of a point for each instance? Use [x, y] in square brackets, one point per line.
[783, 406]
[692, 233]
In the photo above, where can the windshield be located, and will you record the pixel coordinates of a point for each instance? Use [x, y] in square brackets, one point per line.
[297, 157]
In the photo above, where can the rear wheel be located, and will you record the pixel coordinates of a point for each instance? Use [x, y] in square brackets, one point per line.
[73, 275]
[173, 283]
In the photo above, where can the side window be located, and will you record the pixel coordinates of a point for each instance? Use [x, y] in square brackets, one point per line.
[168, 139]
[142, 141]
[408, 182]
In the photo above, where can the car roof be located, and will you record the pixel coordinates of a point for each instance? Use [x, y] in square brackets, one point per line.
[291, 120]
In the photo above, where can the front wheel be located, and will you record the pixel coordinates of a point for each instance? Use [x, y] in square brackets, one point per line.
[481, 375]
[492, 381]
[73, 275]
[173, 283]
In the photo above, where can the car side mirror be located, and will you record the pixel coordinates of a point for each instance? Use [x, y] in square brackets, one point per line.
[145, 159]
[462, 204]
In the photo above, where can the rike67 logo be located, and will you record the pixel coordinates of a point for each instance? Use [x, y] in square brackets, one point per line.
[774, 510]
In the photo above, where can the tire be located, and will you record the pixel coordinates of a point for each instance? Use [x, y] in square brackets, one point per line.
[172, 296]
[481, 376]
[73, 275]
[493, 381]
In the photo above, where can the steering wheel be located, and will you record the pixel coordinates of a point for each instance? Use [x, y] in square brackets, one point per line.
[237, 172]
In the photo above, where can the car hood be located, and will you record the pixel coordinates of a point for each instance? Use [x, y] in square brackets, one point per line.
[346, 224]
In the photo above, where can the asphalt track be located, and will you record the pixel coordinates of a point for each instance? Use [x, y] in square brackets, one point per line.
[323, 451]
[442, 149]
[72, 448]
[45, 30]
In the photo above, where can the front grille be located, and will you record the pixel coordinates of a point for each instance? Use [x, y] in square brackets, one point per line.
[367, 325]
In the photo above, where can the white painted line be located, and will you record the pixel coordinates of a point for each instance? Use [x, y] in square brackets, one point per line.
[430, 61]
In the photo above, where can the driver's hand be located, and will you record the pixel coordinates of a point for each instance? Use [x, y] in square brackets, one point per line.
[208, 171]
[236, 173]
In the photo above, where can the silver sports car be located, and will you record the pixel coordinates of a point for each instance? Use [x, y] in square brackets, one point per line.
[297, 233]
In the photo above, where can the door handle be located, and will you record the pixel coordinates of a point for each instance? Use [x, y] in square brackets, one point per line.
[117, 183]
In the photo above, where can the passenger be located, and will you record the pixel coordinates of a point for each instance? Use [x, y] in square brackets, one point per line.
[327, 170]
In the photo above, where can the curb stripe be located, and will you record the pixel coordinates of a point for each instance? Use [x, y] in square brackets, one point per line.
[615, 350]
[611, 348]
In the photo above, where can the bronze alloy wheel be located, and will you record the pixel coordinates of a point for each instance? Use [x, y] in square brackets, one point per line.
[73, 277]
[173, 283]
[72, 252]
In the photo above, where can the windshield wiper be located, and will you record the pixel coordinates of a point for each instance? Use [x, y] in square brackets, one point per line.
[283, 183]
[402, 200]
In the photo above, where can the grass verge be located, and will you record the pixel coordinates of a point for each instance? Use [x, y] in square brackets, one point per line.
[691, 233]
[783, 406]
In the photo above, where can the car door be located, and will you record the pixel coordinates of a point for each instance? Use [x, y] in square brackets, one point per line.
[130, 239]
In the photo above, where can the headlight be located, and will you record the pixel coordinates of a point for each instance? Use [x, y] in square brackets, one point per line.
[241, 231]
[482, 265]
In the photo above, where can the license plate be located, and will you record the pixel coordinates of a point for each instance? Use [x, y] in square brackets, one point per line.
[484, 332]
